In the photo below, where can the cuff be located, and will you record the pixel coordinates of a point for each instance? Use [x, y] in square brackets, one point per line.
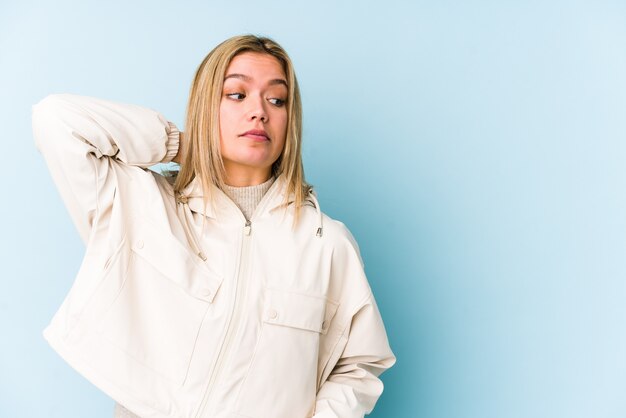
[173, 142]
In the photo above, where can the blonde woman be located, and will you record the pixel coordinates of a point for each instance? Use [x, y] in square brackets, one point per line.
[221, 290]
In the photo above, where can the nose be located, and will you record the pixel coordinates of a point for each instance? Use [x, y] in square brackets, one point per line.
[257, 110]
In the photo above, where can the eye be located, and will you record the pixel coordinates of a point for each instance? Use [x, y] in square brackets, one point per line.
[236, 96]
[277, 102]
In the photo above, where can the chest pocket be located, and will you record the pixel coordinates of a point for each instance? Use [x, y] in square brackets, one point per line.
[161, 303]
[282, 377]
[298, 310]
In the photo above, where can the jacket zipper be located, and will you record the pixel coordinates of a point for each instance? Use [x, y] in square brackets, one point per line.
[233, 325]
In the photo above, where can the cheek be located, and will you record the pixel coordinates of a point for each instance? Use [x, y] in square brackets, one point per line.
[283, 139]
[282, 124]
[225, 130]
[223, 114]
[222, 118]
[226, 120]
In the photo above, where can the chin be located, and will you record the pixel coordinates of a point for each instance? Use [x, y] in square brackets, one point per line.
[255, 161]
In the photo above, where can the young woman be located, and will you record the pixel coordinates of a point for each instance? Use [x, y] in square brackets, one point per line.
[222, 290]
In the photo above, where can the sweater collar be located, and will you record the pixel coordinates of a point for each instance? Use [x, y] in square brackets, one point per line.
[223, 205]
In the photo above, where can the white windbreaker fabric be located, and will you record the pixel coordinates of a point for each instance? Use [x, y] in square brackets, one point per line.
[241, 318]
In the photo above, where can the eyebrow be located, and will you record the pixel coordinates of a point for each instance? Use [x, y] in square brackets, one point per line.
[248, 78]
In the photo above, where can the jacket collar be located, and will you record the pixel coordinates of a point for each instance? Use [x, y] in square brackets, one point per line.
[223, 205]
[190, 199]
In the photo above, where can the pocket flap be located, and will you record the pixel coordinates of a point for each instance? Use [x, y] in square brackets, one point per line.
[299, 310]
[166, 254]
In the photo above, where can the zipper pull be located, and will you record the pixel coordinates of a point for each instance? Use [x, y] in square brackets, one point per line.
[247, 227]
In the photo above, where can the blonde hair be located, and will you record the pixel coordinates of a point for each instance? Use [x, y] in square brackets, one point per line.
[202, 156]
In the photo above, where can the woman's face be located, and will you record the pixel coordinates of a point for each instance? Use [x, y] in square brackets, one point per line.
[253, 117]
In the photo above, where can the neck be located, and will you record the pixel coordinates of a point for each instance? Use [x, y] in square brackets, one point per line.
[243, 178]
[248, 197]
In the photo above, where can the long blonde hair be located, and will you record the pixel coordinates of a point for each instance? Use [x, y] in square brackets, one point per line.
[202, 156]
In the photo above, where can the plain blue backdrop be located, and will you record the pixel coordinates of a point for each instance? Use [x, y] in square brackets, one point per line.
[476, 150]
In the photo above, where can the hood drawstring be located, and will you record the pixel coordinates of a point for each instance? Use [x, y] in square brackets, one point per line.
[182, 206]
[313, 196]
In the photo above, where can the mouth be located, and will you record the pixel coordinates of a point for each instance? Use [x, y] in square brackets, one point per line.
[257, 135]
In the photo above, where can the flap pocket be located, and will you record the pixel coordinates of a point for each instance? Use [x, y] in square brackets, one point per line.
[168, 255]
[299, 310]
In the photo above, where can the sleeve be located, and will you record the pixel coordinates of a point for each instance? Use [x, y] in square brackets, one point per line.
[351, 379]
[81, 137]
[353, 386]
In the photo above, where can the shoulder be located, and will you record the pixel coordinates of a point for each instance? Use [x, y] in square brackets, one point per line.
[165, 179]
[336, 236]
[350, 285]
[341, 239]
[338, 231]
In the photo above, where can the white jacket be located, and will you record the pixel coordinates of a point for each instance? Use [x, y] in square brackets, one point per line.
[248, 319]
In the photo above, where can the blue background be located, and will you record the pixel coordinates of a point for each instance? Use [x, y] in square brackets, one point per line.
[475, 149]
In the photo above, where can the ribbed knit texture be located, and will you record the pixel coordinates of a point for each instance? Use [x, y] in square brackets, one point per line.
[248, 197]
[172, 143]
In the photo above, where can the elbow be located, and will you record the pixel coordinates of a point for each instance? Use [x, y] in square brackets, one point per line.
[49, 101]
[44, 107]
[55, 103]
[46, 116]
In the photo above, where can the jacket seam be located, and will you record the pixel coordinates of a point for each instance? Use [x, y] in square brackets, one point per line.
[361, 304]
[330, 355]
[341, 335]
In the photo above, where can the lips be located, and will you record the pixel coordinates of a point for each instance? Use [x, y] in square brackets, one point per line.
[257, 135]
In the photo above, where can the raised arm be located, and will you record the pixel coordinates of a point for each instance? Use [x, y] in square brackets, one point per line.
[81, 138]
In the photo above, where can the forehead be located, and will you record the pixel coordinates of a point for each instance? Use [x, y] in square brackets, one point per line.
[257, 66]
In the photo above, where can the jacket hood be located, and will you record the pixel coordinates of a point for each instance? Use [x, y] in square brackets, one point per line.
[190, 199]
